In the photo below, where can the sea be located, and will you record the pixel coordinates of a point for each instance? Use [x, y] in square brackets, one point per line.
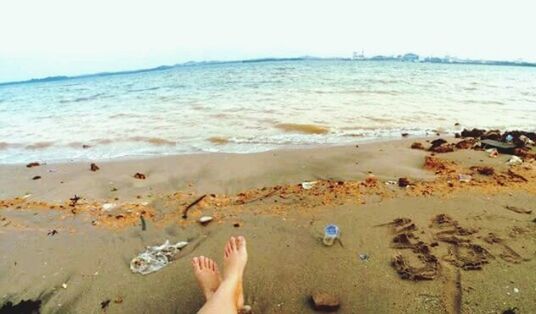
[244, 107]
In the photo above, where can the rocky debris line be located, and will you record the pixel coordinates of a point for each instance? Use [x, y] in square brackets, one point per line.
[518, 143]
[451, 176]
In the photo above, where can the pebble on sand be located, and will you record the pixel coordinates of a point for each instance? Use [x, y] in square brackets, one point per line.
[140, 176]
[323, 301]
[94, 167]
[403, 182]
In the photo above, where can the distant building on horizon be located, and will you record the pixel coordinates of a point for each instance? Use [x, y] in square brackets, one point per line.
[358, 56]
[410, 57]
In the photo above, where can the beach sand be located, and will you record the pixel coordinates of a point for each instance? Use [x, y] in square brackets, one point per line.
[476, 257]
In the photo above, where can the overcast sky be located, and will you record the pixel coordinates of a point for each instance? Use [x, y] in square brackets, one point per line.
[67, 37]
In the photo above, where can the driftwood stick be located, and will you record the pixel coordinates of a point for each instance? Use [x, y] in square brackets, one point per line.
[185, 211]
[517, 176]
[143, 224]
[258, 198]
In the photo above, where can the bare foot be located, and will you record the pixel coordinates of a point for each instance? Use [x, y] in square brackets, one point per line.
[208, 275]
[234, 262]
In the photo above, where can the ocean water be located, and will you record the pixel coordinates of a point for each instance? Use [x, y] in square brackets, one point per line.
[247, 107]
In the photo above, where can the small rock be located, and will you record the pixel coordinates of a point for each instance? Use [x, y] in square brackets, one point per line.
[485, 171]
[405, 134]
[64, 285]
[36, 178]
[403, 182]
[33, 164]
[516, 290]
[364, 257]
[513, 310]
[417, 145]
[104, 304]
[438, 142]
[140, 176]
[94, 167]
[85, 146]
[323, 301]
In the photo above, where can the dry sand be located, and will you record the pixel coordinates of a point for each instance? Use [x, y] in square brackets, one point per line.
[259, 196]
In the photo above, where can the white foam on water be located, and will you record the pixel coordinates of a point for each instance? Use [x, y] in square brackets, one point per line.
[176, 111]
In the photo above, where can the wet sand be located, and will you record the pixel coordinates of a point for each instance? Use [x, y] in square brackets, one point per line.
[479, 255]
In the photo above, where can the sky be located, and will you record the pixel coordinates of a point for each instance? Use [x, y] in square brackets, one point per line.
[71, 37]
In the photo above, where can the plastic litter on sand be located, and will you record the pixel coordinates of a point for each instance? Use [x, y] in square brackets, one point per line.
[514, 160]
[464, 178]
[155, 258]
[308, 185]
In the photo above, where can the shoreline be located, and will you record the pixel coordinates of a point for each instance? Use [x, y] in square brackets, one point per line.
[281, 147]
[203, 170]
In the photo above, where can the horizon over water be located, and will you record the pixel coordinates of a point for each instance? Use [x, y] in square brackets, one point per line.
[249, 107]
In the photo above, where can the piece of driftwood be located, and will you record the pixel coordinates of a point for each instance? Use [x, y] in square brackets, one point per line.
[143, 223]
[185, 211]
[517, 176]
[271, 193]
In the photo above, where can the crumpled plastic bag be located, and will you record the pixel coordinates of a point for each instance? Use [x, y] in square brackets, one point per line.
[155, 258]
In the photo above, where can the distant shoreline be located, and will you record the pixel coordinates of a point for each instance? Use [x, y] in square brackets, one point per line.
[411, 58]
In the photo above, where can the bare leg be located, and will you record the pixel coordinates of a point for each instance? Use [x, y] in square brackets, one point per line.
[207, 274]
[226, 297]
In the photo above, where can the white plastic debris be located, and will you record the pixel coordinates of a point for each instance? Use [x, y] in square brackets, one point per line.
[64, 285]
[205, 220]
[108, 206]
[493, 153]
[514, 160]
[391, 182]
[516, 290]
[464, 178]
[307, 185]
[155, 258]
[526, 140]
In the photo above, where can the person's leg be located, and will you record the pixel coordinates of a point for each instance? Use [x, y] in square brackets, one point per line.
[207, 274]
[226, 297]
